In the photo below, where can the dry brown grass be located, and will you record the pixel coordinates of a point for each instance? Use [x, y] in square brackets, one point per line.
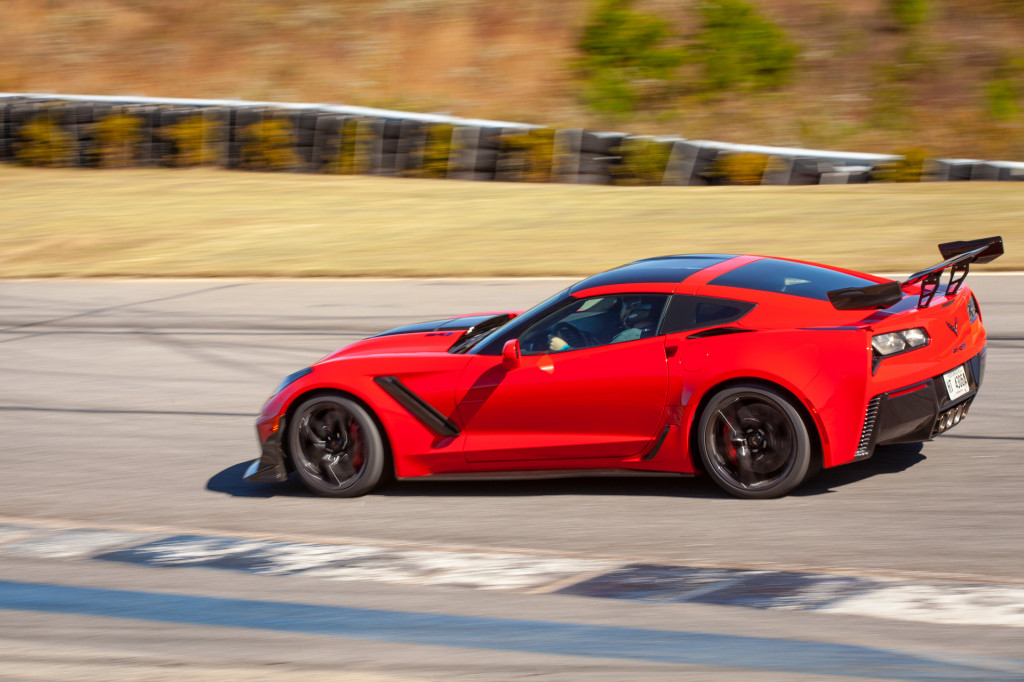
[860, 85]
[75, 223]
[468, 56]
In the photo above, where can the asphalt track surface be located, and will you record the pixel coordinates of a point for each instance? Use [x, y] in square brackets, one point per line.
[127, 407]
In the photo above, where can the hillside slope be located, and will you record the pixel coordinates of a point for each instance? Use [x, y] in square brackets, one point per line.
[953, 86]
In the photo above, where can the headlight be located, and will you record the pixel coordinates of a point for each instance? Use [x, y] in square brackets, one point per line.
[898, 342]
[291, 378]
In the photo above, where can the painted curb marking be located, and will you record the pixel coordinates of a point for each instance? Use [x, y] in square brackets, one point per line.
[932, 601]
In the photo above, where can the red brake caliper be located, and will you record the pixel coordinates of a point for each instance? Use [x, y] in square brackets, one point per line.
[355, 437]
[730, 448]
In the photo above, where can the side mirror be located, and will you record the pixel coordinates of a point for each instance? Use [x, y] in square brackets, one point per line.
[510, 354]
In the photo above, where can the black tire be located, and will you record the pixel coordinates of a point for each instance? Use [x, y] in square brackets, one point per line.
[754, 443]
[336, 446]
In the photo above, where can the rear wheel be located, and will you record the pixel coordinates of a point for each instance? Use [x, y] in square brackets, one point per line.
[336, 446]
[754, 443]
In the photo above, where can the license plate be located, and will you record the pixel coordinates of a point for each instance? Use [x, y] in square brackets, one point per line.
[956, 382]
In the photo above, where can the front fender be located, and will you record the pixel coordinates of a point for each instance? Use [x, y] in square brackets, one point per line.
[432, 377]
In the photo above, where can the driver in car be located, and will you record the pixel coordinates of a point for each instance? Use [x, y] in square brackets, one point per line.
[637, 321]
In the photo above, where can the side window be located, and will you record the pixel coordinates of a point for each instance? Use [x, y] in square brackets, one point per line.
[595, 321]
[696, 312]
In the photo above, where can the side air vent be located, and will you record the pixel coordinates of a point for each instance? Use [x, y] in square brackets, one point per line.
[718, 331]
[867, 434]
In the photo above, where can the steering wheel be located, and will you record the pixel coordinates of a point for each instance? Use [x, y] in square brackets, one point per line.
[571, 335]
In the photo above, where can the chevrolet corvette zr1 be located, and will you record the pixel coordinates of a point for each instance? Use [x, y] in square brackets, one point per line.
[757, 371]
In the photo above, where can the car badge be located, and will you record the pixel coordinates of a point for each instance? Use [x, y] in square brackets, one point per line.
[952, 327]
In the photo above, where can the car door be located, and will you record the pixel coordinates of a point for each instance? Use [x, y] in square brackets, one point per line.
[595, 400]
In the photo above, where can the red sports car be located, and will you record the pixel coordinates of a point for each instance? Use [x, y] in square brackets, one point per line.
[757, 371]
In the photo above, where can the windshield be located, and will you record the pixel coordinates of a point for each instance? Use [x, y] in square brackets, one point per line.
[490, 342]
[479, 331]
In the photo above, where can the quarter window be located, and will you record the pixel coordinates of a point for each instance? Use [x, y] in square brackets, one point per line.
[697, 312]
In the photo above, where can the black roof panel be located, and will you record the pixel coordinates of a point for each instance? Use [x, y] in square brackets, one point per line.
[787, 277]
[661, 269]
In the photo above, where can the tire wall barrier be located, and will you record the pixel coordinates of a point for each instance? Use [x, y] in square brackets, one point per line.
[93, 132]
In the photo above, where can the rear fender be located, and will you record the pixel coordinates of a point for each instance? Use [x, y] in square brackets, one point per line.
[825, 370]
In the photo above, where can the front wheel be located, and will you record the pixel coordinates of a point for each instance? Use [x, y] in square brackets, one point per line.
[754, 443]
[336, 446]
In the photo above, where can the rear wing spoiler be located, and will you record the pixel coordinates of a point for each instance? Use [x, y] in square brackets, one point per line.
[875, 296]
[958, 255]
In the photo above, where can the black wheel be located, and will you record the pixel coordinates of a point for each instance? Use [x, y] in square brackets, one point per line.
[336, 446]
[754, 443]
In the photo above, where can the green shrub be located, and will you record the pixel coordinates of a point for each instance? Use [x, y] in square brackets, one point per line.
[269, 145]
[909, 14]
[44, 143]
[738, 48]
[608, 91]
[740, 169]
[195, 140]
[1002, 99]
[626, 57]
[529, 154]
[118, 137]
[643, 161]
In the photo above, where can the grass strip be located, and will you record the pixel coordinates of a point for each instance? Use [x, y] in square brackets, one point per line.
[215, 223]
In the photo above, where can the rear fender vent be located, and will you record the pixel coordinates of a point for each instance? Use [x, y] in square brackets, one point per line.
[867, 435]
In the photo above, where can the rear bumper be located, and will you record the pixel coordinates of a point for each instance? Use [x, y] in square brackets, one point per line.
[918, 412]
